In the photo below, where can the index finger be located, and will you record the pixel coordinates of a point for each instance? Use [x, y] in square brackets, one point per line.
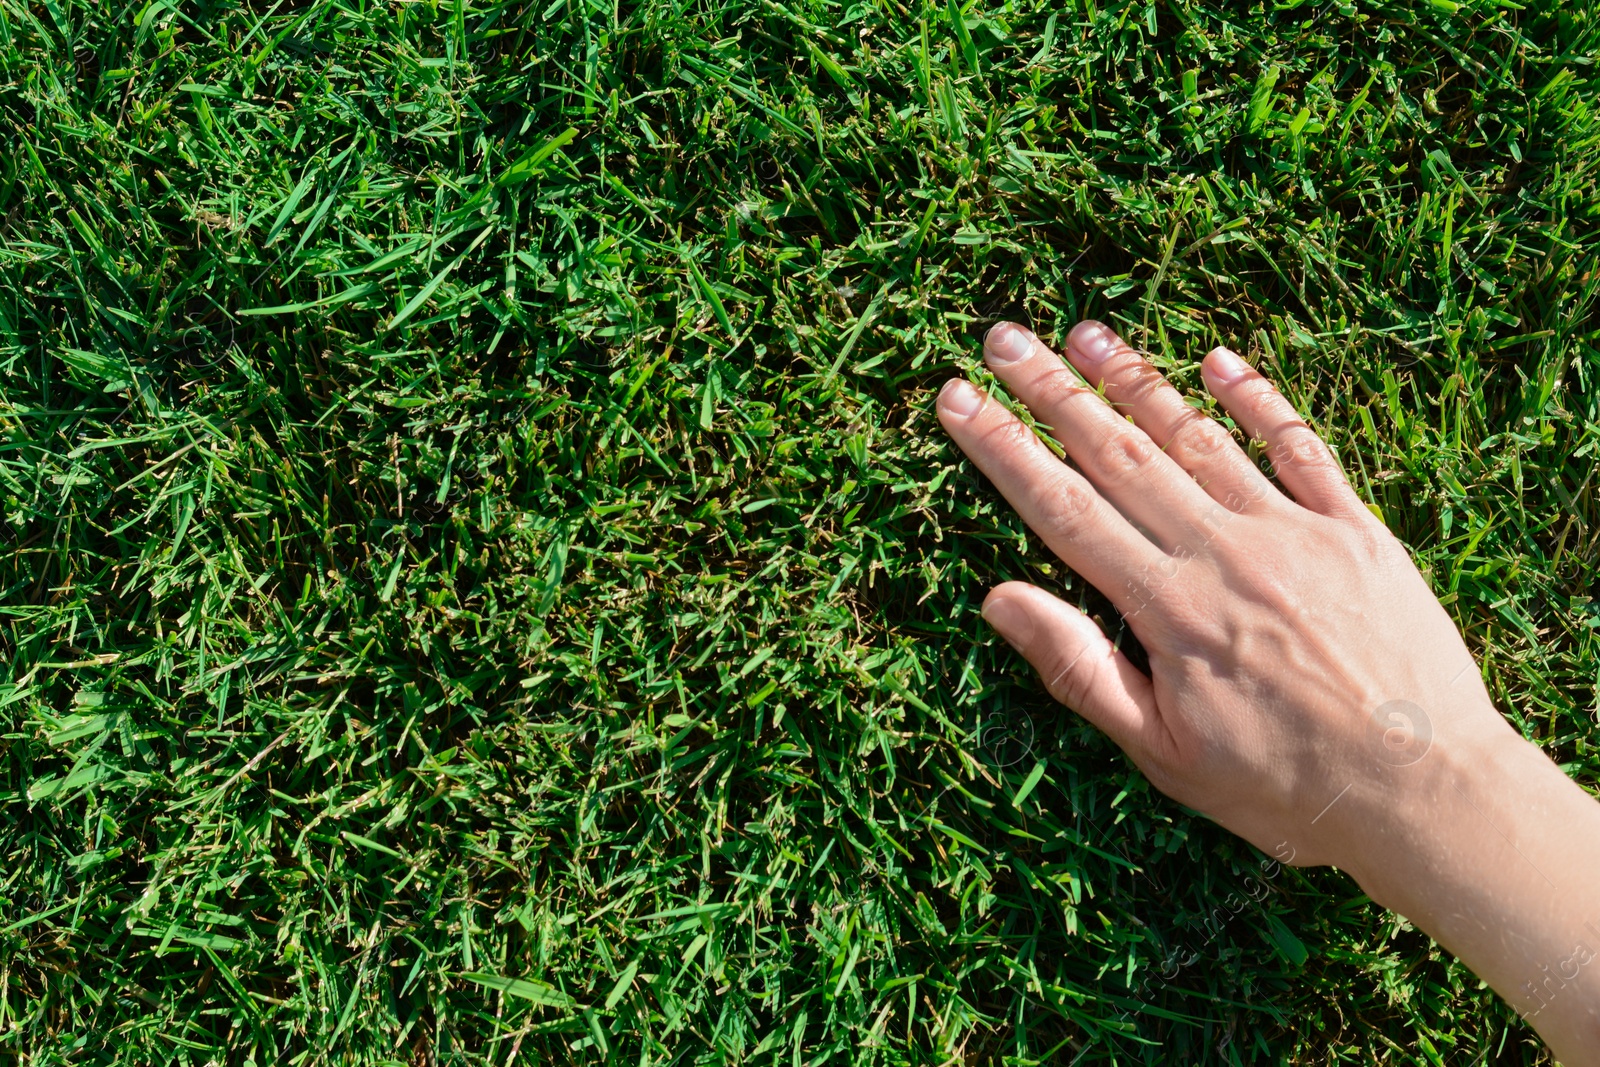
[1054, 500]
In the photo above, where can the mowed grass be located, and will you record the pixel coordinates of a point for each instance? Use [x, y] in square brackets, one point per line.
[482, 582]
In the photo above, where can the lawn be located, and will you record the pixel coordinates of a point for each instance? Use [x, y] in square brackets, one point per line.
[483, 582]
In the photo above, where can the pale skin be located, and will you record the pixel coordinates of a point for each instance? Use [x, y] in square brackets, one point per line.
[1306, 689]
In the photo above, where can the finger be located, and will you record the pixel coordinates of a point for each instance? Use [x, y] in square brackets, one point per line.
[1196, 443]
[1053, 499]
[1300, 460]
[1115, 455]
[1078, 665]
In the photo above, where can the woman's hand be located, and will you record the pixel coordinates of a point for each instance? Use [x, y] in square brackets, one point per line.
[1306, 689]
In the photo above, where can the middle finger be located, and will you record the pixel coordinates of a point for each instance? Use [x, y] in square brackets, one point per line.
[1138, 478]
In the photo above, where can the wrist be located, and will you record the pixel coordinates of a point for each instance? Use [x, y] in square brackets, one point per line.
[1491, 851]
[1421, 829]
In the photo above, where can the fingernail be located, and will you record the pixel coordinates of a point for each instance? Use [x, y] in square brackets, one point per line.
[1007, 343]
[1011, 621]
[1092, 341]
[960, 398]
[1226, 365]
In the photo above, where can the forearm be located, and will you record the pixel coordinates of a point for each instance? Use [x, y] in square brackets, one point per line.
[1495, 853]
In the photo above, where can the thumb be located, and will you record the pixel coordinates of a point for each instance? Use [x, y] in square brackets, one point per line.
[1079, 665]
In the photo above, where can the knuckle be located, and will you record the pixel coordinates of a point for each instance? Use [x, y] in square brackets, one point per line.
[1066, 507]
[1264, 406]
[1138, 382]
[1295, 446]
[1055, 388]
[1010, 436]
[1196, 439]
[1372, 542]
[1121, 456]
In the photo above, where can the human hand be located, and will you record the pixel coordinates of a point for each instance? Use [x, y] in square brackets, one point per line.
[1306, 689]
[1279, 702]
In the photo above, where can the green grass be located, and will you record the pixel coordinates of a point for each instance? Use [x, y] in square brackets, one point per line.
[483, 583]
